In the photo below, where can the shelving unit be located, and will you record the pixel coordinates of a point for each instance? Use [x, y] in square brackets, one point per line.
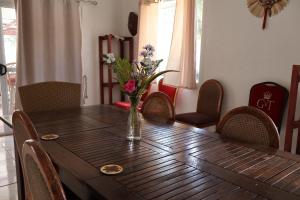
[291, 122]
[110, 84]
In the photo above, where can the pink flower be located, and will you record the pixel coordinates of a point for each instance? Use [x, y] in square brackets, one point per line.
[129, 87]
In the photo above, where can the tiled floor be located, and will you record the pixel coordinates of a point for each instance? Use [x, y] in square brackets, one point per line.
[8, 186]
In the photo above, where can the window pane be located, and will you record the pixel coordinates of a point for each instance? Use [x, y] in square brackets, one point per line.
[199, 12]
[9, 32]
[165, 30]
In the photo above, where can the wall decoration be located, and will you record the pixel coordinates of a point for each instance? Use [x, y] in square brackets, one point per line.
[133, 23]
[265, 8]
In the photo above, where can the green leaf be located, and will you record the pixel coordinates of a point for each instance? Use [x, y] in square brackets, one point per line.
[123, 70]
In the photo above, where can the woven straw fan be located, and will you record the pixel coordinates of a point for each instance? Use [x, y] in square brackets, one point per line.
[263, 8]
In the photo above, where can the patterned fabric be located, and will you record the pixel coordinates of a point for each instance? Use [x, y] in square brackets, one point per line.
[246, 128]
[251, 125]
[270, 98]
[44, 182]
[49, 96]
[158, 107]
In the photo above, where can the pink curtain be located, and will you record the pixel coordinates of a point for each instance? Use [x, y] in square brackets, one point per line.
[7, 3]
[147, 23]
[182, 53]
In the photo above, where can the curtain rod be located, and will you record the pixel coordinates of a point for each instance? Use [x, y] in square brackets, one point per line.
[88, 1]
[150, 1]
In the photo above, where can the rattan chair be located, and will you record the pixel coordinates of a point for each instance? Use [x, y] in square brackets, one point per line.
[49, 96]
[250, 125]
[158, 107]
[44, 183]
[23, 130]
[208, 107]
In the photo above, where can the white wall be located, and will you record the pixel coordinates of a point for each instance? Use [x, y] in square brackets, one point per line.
[109, 16]
[235, 51]
[126, 6]
[95, 21]
[238, 53]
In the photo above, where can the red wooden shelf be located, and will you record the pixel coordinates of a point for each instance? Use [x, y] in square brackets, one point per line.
[291, 122]
[110, 84]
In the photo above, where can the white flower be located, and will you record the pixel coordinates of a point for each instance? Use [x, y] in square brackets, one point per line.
[109, 58]
[147, 62]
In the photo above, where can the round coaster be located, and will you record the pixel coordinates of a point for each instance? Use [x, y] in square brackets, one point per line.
[111, 169]
[50, 137]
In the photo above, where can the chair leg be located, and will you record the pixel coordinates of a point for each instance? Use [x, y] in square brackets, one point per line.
[20, 180]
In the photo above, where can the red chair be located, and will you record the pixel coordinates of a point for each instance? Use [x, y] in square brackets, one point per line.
[271, 98]
[126, 105]
[169, 90]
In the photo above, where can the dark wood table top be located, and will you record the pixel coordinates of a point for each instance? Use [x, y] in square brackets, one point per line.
[173, 161]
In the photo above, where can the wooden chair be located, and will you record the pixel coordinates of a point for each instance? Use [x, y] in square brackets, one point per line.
[170, 90]
[39, 172]
[251, 125]
[50, 96]
[293, 123]
[23, 130]
[208, 108]
[271, 98]
[158, 107]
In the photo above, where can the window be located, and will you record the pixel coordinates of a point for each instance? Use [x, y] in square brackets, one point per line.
[165, 29]
[8, 40]
[9, 28]
[199, 11]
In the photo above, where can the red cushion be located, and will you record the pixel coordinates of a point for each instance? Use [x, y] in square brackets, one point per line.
[270, 98]
[169, 90]
[126, 105]
[123, 104]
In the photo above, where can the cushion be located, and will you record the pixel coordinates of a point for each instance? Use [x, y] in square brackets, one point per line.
[270, 98]
[169, 90]
[126, 105]
[123, 104]
[195, 119]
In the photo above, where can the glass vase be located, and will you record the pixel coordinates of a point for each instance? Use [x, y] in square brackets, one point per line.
[134, 121]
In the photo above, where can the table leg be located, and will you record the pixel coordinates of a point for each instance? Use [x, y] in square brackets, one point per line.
[20, 180]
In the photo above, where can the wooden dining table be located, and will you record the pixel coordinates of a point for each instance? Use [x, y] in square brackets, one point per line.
[172, 161]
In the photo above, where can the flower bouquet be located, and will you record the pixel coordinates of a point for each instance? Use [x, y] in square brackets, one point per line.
[134, 79]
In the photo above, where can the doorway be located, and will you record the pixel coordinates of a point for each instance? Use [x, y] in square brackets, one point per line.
[8, 42]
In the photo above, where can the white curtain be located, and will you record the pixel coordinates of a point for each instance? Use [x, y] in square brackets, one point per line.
[182, 52]
[147, 24]
[49, 41]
